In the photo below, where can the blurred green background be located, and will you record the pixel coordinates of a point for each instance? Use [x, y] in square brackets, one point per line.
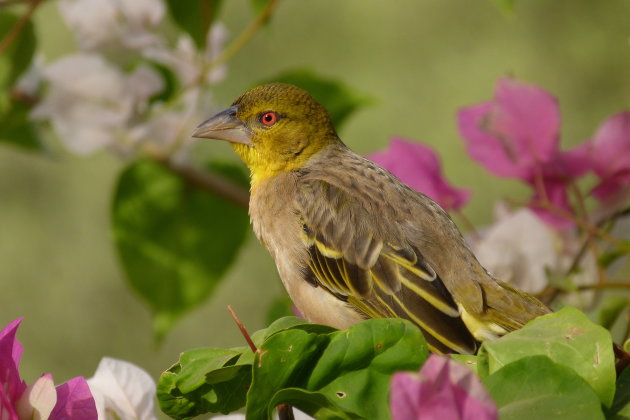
[418, 60]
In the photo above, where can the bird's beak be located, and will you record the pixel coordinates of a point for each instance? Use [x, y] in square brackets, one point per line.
[224, 126]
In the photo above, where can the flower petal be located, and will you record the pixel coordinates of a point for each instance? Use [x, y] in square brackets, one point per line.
[11, 386]
[123, 388]
[419, 167]
[611, 155]
[443, 389]
[556, 194]
[39, 399]
[74, 401]
[519, 249]
[514, 132]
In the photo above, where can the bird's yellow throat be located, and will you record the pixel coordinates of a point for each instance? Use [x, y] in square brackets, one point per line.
[264, 163]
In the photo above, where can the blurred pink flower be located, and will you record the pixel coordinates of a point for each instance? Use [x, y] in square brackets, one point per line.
[610, 150]
[513, 133]
[71, 400]
[443, 389]
[419, 167]
[516, 135]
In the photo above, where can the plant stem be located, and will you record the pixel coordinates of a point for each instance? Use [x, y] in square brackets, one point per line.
[242, 328]
[210, 182]
[19, 26]
[245, 36]
[605, 285]
[285, 412]
[590, 240]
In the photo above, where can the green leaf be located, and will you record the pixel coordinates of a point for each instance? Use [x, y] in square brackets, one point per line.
[16, 59]
[171, 83]
[345, 371]
[610, 310]
[469, 360]
[16, 128]
[174, 240]
[204, 380]
[327, 373]
[535, 387]
[195, 17]
[620, 407]
[568, 338]
[337, 98]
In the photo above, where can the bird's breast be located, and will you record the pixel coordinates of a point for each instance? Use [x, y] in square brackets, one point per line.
[275, 222]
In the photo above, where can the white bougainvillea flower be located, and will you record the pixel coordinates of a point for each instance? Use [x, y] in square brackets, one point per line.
[187, 63]
[519, 249]
[113, 23]
[122, 391]
[522, 250]
[169, 125]
[30, 81]
[89, 101]
[142, 84]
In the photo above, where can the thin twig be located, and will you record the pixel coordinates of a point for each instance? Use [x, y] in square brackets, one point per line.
[590, 240]
[285, 412]
[242, 328]
[594, 230]
[604, 286]
[550, 293]
[19, 26]
[244, 37]
[210, 182]
[623, 358]
[545, 204]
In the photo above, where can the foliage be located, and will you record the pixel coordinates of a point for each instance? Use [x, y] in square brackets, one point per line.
[323, 372]
[560, 363]
[175, 240]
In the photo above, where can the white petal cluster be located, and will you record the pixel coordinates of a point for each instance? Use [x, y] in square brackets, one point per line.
[89, 101]
[113, 23]
[107, 95]
[190, 65]
[521, 250]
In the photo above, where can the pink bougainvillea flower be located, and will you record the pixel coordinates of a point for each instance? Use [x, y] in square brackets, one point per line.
[516, 135]
[513, 133]
[553, 179]
[610, 148]
[419, 167]
[443, 389]
[11, 386]
[69, 401]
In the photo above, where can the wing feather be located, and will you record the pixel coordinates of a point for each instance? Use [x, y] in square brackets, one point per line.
[379, 275]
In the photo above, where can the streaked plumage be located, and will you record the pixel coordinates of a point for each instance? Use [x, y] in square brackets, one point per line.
[349, 239]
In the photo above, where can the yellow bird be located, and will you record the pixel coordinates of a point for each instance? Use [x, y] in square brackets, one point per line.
[349, 239]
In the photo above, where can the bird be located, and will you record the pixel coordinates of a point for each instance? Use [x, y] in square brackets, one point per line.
[350, 240]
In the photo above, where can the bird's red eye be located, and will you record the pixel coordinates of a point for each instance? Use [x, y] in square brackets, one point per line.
[269, 118]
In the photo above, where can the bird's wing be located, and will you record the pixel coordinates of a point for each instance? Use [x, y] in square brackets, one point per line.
[371, 266]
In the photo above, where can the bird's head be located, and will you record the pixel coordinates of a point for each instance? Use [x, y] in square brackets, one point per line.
[273, 128]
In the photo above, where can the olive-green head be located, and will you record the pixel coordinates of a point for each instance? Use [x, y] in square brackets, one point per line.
[273, 128]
